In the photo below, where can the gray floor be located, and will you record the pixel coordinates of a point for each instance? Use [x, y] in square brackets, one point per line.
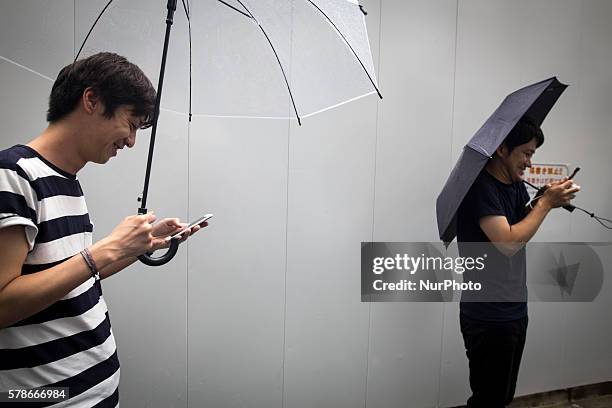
[592, 396]
[604, 401]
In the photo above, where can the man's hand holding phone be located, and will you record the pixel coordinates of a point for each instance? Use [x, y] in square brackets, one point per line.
[187, 230]
[560, 193]
[170, 228]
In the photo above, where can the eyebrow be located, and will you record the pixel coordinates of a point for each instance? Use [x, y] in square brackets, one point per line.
[137, 122]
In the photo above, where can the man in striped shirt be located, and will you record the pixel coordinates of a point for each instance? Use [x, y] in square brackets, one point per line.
[54, 324]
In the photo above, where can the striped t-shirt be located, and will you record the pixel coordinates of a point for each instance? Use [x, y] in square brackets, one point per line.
[70, 343]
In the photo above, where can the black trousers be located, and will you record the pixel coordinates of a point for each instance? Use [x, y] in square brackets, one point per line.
[494, 351]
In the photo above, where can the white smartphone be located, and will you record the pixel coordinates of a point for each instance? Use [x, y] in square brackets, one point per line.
[199, 221]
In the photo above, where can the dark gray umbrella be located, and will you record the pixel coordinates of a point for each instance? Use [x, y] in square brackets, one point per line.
[534, 102]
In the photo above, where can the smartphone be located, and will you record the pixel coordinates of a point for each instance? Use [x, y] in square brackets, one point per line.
[199, 221]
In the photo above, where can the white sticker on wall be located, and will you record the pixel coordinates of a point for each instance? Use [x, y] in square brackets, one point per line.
[540, 174]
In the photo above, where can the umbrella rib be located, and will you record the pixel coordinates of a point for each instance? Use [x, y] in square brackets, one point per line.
[236, 9]
[479, 149]
[91, 29]
[329, 20]
[297, 115]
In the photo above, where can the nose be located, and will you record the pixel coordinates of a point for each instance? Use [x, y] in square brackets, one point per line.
[528, 162]
[130, 141]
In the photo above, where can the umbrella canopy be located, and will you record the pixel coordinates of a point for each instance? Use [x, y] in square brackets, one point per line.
[253, 58]
[533, 102]
[250, 58]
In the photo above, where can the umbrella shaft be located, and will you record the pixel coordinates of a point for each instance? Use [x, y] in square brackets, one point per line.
[169, 21]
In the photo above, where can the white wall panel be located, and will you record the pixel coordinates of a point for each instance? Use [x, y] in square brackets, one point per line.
[330, 213]
[590, 142]
[416, 71]
[404, 360]
[238, 171]
[331, 176]
[542, 364]
[587, 357]
[38, 35]
[412, 162]
[24, 104]
[454, 373]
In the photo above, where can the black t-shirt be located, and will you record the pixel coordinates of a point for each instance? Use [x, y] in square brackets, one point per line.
[504, 277]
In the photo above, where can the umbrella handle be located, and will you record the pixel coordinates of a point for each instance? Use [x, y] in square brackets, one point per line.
[540, 192]
[150, 260]
[569, 207]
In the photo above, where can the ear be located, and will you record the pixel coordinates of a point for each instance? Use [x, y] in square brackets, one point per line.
[91, 101]
[502, 151]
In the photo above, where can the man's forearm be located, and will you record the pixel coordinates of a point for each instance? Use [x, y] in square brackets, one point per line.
[27, 295]
[523, 231]
[115, 267]
[511, 238]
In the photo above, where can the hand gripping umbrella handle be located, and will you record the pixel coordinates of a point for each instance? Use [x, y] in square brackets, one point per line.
[540, 192]
[150, 260]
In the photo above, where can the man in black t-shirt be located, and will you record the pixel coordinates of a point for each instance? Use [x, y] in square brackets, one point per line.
[494, 211]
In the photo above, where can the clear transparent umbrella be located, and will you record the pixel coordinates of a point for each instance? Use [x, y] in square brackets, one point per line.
[247, 58]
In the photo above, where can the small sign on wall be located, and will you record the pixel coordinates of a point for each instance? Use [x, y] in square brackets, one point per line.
[541, 174]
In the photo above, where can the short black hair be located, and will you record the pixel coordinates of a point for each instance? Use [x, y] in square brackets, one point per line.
[523, 132]
[112, 77]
